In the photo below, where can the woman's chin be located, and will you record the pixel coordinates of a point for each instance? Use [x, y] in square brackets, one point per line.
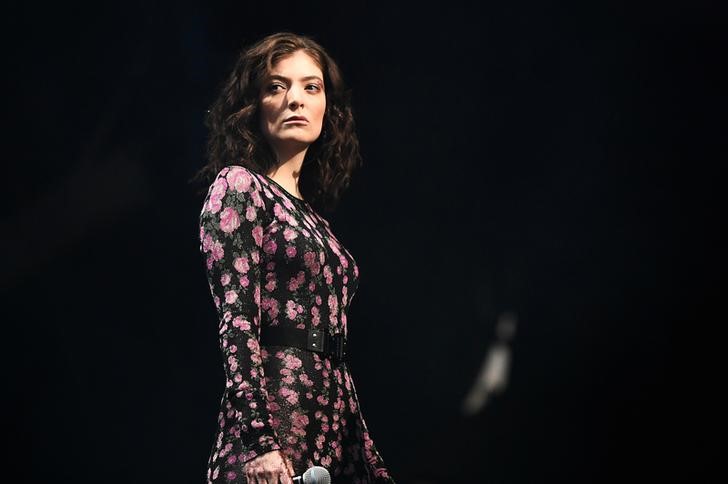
[296, 140]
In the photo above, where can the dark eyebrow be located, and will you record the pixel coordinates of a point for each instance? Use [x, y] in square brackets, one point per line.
[276, 76]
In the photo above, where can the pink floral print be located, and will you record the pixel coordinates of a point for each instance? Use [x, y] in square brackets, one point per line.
[271, 259]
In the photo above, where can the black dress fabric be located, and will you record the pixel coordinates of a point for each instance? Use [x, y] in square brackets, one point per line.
[271, 259]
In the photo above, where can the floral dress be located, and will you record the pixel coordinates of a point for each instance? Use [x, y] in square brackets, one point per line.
[271, 260]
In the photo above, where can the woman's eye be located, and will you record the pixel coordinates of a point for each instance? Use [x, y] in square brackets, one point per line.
[272, 87]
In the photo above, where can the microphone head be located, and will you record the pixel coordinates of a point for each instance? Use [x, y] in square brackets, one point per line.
[316, 475]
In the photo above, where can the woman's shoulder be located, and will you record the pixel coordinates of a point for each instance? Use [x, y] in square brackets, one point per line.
[234, 185]
[239, 178]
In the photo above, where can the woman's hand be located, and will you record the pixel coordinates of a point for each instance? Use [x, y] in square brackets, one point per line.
[270, 468]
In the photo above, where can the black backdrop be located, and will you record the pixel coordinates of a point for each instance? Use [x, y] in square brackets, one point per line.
[553, 160]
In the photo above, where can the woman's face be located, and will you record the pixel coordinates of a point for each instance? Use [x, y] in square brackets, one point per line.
[295, 87]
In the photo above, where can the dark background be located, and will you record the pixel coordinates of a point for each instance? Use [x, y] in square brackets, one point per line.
[556, 160]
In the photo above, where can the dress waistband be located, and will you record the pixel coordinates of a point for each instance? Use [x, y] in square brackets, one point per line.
[329, 345]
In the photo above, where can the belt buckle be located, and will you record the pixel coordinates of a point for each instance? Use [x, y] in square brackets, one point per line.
[315, 340]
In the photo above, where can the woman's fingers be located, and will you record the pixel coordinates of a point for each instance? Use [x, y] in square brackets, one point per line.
[285, 477]
[270, 468]
[262, 476]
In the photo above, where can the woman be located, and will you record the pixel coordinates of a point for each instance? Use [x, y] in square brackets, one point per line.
[281, 133]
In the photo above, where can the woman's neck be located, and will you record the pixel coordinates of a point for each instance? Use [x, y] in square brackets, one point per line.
[288, 171]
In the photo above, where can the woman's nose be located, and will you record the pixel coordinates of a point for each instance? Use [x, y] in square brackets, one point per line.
[294, 99]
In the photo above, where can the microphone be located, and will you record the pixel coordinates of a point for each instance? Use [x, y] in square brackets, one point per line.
[314, 475]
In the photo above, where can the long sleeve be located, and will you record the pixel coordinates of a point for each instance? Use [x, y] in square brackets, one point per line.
[231, 237]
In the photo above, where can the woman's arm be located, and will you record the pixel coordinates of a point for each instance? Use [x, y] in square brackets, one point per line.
[231, 234]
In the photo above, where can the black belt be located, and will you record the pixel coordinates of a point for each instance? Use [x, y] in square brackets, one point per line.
[329, 345]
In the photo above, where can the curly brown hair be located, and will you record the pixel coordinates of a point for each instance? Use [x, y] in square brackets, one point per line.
[235, 136]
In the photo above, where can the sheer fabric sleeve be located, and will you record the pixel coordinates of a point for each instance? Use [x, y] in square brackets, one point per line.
[231, 236]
